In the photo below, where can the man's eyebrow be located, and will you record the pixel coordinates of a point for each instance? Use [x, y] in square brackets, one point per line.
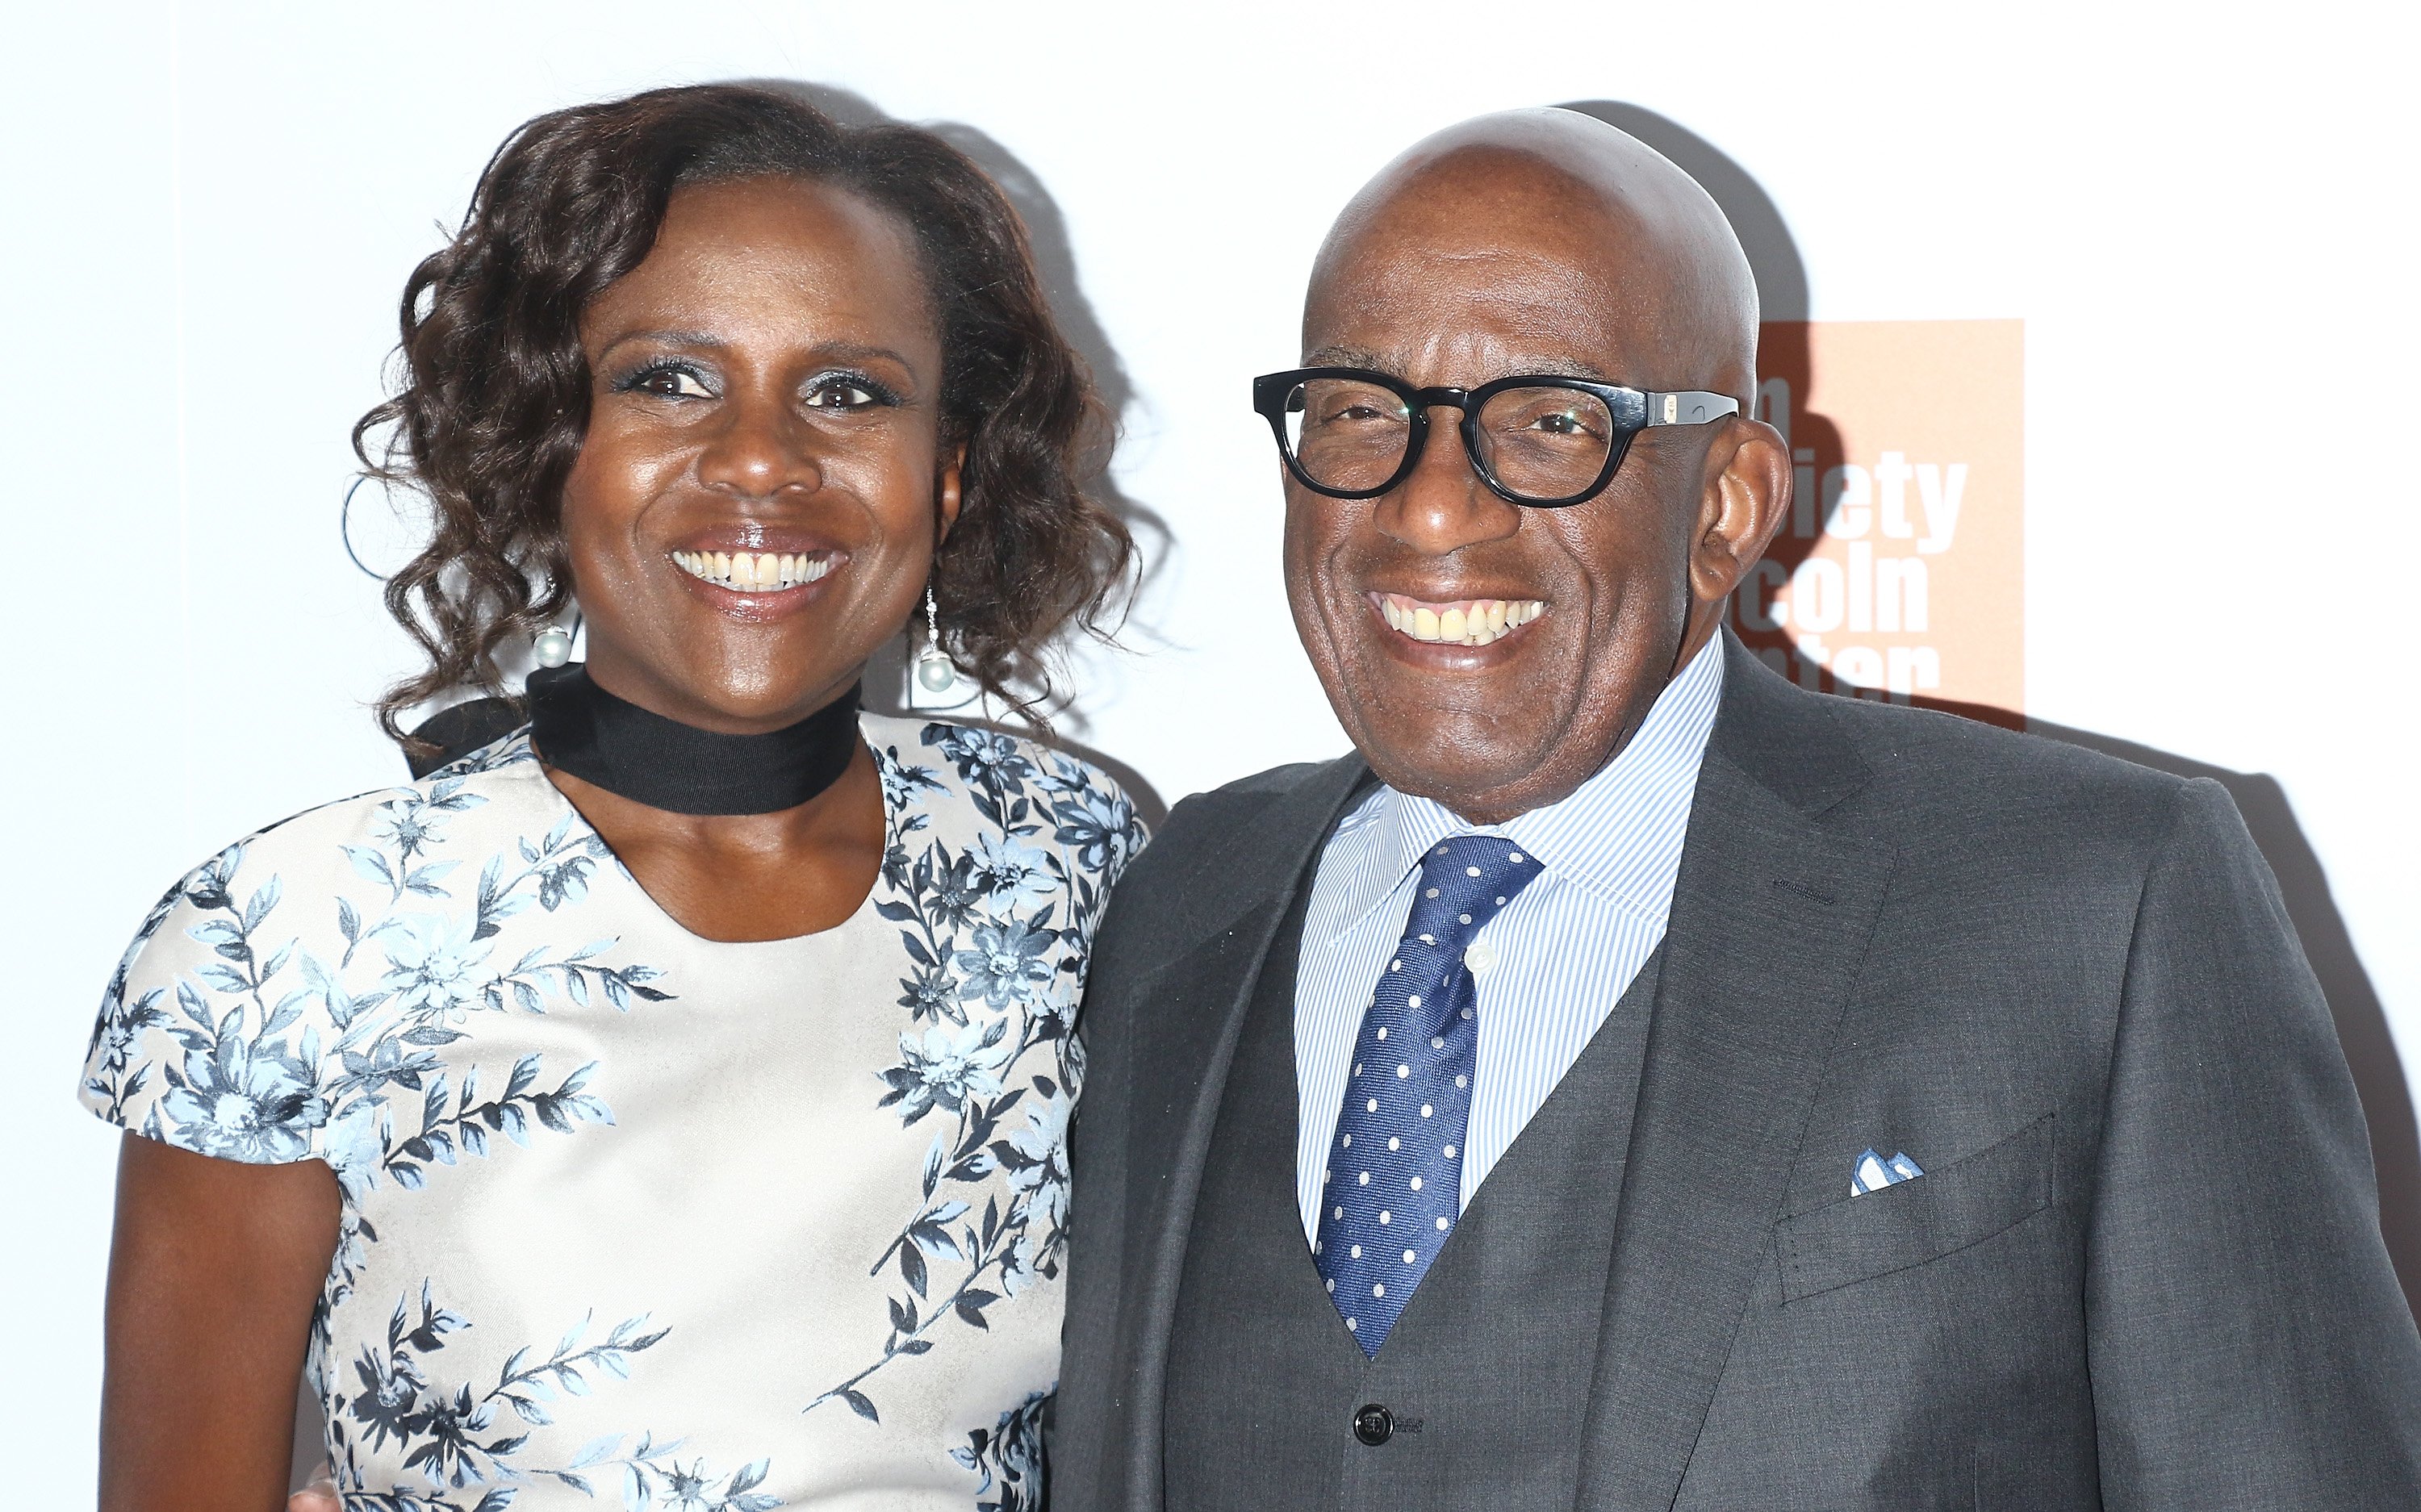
[1544, 367]
[1566, 367]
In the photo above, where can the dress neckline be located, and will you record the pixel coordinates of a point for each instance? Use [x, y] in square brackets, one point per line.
[895, 800]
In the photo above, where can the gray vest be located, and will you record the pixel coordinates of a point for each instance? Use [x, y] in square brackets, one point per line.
[1477, 1397]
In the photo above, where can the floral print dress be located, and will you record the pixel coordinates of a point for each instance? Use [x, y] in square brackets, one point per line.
[631, 1218]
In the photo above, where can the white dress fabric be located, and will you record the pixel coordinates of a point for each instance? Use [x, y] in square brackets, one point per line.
[632, 1217]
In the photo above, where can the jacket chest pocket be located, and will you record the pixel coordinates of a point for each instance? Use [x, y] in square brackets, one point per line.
[1946, 1210]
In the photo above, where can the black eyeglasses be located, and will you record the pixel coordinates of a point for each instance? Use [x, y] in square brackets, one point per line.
[1539, 440]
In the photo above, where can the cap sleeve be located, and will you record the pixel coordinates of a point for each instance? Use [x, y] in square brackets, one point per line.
[211, 1034]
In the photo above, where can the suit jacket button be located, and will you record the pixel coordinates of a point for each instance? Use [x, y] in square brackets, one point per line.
[1374, 1425]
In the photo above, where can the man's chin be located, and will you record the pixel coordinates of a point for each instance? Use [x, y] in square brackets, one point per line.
[1465, 763]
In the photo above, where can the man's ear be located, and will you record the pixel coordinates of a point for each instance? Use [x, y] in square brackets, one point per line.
[946, 494]
[1747, 494]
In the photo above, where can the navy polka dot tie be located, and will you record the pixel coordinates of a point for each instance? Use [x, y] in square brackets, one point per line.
[1394, 1185]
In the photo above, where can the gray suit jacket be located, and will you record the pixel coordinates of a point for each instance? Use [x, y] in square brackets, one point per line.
[2142, 1267]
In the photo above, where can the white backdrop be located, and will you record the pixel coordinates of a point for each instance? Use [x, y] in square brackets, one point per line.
[210, 210]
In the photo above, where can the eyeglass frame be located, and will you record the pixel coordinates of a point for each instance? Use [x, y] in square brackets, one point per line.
[1631, 410]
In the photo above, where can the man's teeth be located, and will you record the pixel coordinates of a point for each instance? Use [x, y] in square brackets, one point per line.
[1473, 622]
[753, 571]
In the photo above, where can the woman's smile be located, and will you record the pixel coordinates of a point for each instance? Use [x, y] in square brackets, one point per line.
[760, 587]
[755, 573]
[764, 444]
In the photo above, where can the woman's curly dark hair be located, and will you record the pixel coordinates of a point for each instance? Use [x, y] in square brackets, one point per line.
[495, 396]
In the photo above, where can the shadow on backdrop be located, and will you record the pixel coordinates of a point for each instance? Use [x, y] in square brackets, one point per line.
[2353, 1003]
[1781, 297]
[1055, 260]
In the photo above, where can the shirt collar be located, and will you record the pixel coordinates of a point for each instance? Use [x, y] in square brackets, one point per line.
[1618, 835]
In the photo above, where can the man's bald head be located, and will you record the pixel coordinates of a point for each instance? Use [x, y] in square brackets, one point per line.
[1562, 187]
[1484, 653]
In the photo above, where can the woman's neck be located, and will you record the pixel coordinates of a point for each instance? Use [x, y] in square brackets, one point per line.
[746, 877]
[758, 835]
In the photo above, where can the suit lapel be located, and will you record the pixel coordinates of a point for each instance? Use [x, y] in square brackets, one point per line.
[1770, 918]
[1188, 1014]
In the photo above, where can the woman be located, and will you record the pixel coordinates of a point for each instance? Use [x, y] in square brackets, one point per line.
[665, 1104]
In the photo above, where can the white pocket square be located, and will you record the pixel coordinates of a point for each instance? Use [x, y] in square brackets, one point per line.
[1872, 1173]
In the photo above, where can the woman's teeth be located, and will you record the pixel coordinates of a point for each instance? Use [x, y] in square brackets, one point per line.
[753, 571]
[1473, 622]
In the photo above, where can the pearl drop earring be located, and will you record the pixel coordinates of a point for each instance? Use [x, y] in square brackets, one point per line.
[936, 671]
[552, 646]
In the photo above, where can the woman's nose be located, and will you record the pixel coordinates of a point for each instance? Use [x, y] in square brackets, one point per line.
[763, 448]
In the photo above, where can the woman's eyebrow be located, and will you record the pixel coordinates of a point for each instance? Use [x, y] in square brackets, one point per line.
[859, 352]
[842, 351]
[668, 338]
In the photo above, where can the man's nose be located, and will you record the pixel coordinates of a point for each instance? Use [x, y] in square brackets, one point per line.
[762, 447]
[1444, 505]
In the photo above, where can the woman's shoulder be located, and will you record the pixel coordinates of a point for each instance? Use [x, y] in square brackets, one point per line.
[236, 974]
[1011, 787]
[407, 837]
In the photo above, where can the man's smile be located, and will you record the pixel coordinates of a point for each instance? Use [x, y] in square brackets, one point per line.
[1458, 621]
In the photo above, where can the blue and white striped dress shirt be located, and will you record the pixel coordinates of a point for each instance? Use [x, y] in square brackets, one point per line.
[1550, 968]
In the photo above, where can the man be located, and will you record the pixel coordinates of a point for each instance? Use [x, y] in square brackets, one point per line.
[1630, 1081]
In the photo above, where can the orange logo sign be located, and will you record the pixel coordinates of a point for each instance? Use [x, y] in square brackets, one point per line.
[1901, 571]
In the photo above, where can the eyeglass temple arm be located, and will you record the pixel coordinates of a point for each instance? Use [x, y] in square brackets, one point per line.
[1689, 407]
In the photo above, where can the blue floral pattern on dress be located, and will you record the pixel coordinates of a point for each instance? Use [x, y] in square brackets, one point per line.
[462, 1438]
[997, 936]
[1008, 1456]
[257, 1022]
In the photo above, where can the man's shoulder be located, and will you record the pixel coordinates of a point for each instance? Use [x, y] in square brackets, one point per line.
[1242, 831]
[1914, 740]
[1962, 779]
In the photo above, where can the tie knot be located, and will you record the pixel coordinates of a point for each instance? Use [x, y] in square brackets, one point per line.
[1465, 881]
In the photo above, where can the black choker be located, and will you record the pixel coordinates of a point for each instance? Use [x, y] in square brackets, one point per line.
[581, 728]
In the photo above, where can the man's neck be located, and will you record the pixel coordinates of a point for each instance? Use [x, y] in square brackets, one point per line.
[1694, 655]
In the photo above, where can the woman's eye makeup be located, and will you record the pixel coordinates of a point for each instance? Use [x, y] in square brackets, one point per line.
[667, 379]
[834, 393]
[848, 393]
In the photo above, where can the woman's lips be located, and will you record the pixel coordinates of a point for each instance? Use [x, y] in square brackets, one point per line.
[756, 572]
[759, 587]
